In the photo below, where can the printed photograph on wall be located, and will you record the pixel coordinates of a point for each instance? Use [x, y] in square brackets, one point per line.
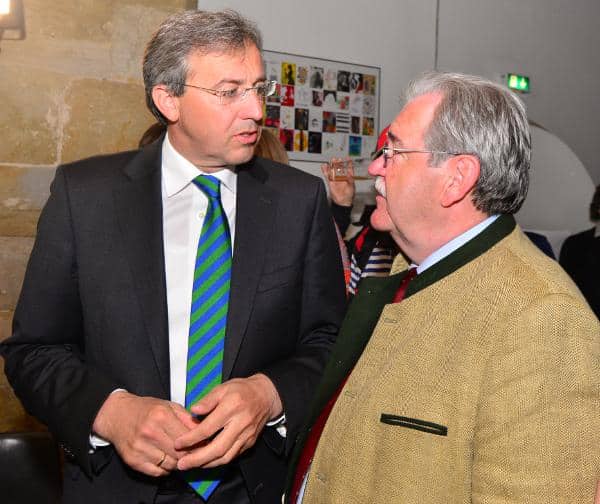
[323, 108]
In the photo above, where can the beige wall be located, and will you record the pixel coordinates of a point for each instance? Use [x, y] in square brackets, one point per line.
[71, 89]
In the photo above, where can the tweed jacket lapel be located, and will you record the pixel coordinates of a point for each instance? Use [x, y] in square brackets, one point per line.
[374, 293]
[476, 246]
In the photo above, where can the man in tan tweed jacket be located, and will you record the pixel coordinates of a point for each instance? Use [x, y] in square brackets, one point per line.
[483, 384]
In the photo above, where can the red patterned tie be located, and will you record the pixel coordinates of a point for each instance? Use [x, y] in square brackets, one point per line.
[310, 446]
[401, 292]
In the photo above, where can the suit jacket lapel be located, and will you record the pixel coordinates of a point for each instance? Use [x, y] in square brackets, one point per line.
[255, 210]
[138, 204]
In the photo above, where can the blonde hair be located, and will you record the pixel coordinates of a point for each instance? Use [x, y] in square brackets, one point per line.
[270, 147]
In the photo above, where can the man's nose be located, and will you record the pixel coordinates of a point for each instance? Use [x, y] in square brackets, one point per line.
[253, 106]
[376, 167]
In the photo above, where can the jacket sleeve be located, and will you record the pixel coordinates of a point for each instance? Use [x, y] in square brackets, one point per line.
[341, 215]
[538, 419]
[322, 308]
[44, 356]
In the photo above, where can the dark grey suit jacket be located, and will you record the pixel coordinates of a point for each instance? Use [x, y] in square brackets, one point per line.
[92, 315]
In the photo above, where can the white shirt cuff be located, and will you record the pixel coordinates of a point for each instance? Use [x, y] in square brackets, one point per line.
[280, 425]
[97, 441]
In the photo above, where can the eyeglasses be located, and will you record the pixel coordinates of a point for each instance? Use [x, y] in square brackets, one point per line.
[236, 94]
[389, 152]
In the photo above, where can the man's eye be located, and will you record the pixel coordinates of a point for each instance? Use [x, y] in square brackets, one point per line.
[229, 93]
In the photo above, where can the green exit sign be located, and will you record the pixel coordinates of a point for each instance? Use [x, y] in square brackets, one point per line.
[518, 82]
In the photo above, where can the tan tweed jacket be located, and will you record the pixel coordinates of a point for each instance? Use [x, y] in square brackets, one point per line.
[504, 353]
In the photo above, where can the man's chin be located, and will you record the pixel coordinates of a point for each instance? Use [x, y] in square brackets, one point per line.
[241, 156]
[380, 220]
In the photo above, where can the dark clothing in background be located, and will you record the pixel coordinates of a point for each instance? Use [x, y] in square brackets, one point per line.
[580, 257]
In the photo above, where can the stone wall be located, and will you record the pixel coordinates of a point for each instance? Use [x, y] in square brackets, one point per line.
[71, 89]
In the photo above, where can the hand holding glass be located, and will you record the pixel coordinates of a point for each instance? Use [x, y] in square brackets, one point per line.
[339, 169]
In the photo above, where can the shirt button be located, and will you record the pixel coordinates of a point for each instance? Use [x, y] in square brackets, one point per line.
[201, 215]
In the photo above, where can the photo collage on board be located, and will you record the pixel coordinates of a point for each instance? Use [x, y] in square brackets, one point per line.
[322, 110]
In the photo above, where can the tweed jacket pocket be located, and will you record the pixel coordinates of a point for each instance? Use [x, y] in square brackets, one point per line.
[414, 423]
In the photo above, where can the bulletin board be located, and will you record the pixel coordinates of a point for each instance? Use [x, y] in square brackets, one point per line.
[322, 108]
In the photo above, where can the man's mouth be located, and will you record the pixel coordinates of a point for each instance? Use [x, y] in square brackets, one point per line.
[247, 137]
[380, 186]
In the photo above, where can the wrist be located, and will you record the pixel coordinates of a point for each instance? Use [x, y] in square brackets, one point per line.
[275, 407]
[343, 202]
[103, 422]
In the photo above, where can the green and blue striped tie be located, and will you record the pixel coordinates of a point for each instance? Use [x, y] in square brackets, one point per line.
[208, 318]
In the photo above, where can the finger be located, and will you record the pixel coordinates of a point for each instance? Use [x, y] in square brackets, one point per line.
[214, 411]
[203, 431]
[169, 464]
[217, 449]
[161, 429]
[153, 463]
[235, 450]
[185, 417]
[210, 401]
[240, 444]
[151, 470]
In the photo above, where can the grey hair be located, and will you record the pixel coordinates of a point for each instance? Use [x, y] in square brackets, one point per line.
[477, 116]
[166, 56]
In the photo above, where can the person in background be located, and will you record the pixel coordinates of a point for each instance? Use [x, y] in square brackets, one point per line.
[371, 252]
[269, 147]
[471, 373]
[152, 133]
[580, 257]
[541, 242]
[181, 300]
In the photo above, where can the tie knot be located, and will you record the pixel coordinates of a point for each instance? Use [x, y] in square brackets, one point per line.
[402, 288]
[209, 185]
[411, 273]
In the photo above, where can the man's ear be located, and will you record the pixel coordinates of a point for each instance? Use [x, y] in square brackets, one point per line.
[166, 102]
[463, 173]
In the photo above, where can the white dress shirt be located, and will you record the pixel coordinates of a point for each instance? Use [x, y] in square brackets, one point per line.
[454, 244]
[184, 208]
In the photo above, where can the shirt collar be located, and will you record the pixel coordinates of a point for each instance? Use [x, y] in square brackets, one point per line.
[454, 244]
[178, 172]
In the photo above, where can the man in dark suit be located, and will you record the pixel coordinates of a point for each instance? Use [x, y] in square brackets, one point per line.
[99, 350]
[580, 257]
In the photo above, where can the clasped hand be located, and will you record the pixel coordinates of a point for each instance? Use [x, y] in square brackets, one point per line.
[155, 436]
